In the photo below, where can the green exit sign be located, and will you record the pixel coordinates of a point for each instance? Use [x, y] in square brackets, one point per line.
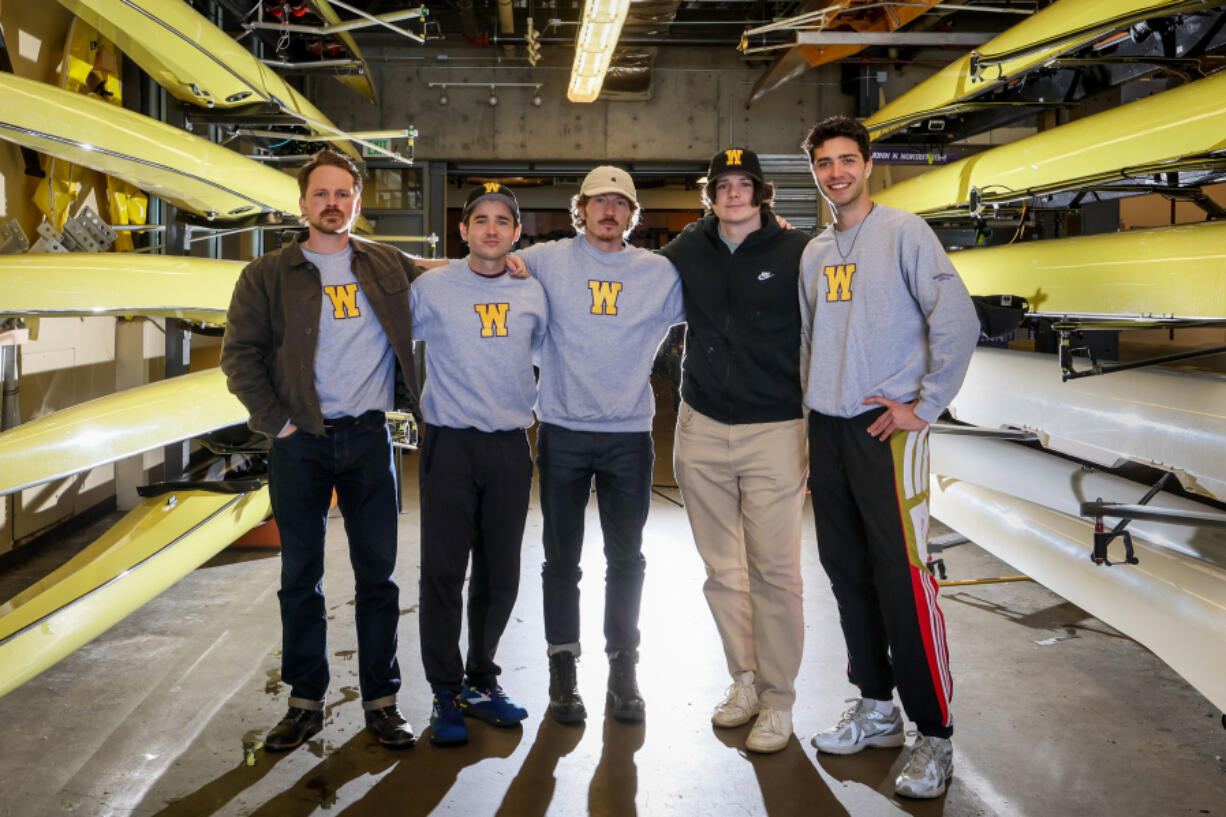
[383, 143]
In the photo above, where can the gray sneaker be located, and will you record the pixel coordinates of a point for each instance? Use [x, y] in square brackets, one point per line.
[860, 727]
[928, 769]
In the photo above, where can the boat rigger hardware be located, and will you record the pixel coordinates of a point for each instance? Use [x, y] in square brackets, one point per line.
[1103, 537]
[363, 20]
[1201, 519]
[979, 62]
[1069, 331]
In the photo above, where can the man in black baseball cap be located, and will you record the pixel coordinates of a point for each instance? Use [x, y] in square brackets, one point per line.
[490, 190]
[736, 160]
[739, 451]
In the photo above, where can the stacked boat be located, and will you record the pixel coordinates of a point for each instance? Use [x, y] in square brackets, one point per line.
[1024, 501]
[180, 526]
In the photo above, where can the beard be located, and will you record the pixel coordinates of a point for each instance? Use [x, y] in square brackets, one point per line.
[331, 222]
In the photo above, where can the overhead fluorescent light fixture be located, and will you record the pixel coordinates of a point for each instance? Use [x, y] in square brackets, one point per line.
[602, 25]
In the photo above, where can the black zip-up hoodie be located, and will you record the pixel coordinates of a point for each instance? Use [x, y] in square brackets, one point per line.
[742, 342]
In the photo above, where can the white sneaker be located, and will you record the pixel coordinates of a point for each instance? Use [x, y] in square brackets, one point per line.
[741, 703]
[860, 727]
[928, 769]
[771, 731]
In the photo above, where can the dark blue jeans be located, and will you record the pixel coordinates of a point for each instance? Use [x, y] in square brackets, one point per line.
[621, 464]
[303, 469]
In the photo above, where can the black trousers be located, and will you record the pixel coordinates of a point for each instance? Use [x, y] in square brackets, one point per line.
[474, 498]
[870, 505]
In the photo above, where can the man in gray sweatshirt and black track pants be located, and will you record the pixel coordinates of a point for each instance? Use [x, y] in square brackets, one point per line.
[610, 305]
[887, 335]
[481, 328]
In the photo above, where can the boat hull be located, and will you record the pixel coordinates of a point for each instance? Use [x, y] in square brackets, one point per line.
[152, 547]
[185, 170]
[1069, 24]
[116, 426]
[1172, 272]
[118, 284]
[1189, 121]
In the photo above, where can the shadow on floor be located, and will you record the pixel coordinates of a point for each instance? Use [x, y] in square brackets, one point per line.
[615, 782]
[791, 786]
[359, 756]
[427, 773]
[532, 789]
[1063, 616]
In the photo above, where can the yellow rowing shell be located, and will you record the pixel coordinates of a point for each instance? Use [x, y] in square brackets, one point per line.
[190, 172]
[1189, 121]
[195, 60]
[1175, 272]
[118, 284]
[1066, 25]
[118, 425]
[149, 549]
[362, 83]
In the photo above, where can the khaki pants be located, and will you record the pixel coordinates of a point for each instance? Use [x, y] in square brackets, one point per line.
[743, 487]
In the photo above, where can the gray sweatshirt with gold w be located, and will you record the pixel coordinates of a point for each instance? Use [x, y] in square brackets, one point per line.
[883, 314]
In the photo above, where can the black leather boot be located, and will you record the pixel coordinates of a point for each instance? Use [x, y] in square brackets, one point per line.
[565, 705]
[623, 701]
[297, 725]
[390, 727]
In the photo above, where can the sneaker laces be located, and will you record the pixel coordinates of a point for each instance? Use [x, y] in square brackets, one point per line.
[390, 714]
[851, 713]
[737, 696]
[566, 672]
[622, 676]
[923, 752]
[769, 720]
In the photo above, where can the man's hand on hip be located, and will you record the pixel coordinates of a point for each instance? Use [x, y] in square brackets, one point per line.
[896, 417]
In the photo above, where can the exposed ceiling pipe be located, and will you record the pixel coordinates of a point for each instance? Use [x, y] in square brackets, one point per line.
[506, 23]
[629, 74]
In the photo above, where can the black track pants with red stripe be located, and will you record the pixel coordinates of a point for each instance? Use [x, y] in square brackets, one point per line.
[870, 504]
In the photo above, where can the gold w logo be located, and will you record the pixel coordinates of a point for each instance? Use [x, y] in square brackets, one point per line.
[733, 155]
[493, 318]
[604, 296]
[344, 300]
[492, 187]
[838, 282]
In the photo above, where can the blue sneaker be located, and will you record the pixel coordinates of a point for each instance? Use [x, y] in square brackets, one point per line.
[446, 722]
[491, 705]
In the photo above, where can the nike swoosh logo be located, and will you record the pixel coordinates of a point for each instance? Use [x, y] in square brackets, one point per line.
[765, 275]
[480, 699]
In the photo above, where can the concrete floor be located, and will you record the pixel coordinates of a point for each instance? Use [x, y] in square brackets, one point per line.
[1056, 713]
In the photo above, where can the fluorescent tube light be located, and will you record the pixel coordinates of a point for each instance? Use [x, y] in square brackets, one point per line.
[602, 24]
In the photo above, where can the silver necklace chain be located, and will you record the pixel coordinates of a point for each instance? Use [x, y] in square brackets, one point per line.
[838, 249]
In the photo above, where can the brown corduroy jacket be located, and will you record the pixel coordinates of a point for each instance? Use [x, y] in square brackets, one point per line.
[272, 330]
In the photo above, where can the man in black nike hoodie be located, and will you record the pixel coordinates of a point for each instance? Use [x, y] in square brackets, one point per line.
[740, 449]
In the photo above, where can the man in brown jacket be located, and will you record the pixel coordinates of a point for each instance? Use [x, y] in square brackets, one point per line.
[313, 337]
